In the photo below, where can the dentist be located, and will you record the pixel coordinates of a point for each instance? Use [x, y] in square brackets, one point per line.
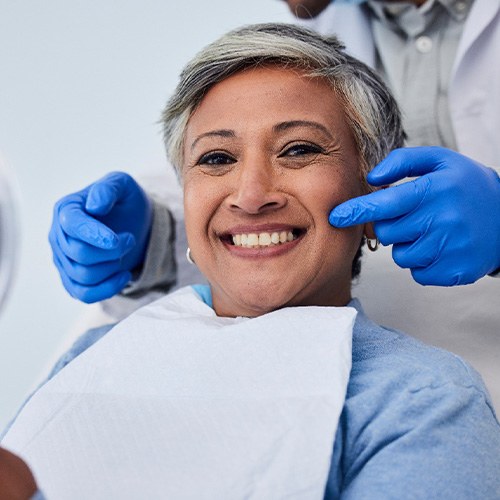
[438, 58]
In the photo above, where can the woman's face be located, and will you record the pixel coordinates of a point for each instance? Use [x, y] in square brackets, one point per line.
[268, 153]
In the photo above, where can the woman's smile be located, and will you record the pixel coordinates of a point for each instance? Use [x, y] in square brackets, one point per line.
[268, 153]
[264, 240]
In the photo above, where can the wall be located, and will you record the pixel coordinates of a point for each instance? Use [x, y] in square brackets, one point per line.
[81, 89]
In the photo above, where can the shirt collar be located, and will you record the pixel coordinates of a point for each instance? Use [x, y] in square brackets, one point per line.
[413, 20]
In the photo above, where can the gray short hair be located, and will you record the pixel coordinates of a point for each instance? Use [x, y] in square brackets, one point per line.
[371, 111]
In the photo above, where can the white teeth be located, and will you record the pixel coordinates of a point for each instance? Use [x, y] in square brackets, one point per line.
[264, 239]
[254, 240]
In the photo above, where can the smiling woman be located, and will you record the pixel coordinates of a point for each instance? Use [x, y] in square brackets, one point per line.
[290, 132]
[276, 172]
[248, 388]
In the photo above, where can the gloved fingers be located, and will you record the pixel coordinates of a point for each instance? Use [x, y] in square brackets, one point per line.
[106, 192]
[389, 203]
[415, 255]
[439, 274]
[431, 262]
[79, 225]
[90, 294]
[87, 274]
[408, 162]
[406, 229]
[85, 254]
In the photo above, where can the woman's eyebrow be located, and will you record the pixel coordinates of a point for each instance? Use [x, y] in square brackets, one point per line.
[281, 127]
[214, 133]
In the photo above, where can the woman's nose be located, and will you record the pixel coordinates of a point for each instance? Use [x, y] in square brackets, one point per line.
[256, 190]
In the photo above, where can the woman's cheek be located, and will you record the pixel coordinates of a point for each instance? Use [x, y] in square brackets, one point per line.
[200, 204]
[192, 213]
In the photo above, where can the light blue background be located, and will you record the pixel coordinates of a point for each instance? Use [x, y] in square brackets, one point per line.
[82, 84]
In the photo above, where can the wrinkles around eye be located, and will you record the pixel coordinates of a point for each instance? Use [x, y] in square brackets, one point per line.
[216, 158]
[301, 149]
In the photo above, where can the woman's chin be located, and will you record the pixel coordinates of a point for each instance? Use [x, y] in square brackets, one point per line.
[255, 298]
[250, 302]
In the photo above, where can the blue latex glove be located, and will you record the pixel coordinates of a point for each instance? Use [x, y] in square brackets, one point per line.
[444, 225]
[99, 235]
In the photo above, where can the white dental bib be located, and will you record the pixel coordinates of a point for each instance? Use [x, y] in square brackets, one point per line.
[175, 402]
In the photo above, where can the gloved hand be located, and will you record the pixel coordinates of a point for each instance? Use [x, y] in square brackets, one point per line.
[99, 235]
[444, 225]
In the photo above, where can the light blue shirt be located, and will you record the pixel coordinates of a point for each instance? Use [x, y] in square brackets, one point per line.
[417, 421]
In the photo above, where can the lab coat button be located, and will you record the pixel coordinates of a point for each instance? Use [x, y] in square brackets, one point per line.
[423, 44]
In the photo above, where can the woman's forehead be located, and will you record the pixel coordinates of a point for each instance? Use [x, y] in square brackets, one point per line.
[266, 96]
[271, 77]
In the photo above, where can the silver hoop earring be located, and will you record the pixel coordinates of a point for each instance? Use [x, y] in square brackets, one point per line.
[188, 256]
[372, 244]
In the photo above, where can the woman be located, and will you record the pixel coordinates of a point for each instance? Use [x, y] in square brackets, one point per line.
[269, 128]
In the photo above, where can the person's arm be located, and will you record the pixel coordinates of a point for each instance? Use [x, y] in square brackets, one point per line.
[441, 440]
[110, 235]
[444, 226]
[158, 270]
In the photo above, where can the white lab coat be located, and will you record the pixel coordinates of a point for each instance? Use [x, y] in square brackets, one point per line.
[474, 91]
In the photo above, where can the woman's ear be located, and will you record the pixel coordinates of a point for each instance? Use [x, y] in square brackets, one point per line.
[369, 232]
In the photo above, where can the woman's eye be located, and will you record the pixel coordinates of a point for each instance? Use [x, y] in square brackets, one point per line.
[301, 150]
[216, 158]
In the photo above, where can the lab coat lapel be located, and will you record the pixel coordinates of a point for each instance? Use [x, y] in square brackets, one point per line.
[481, 15]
